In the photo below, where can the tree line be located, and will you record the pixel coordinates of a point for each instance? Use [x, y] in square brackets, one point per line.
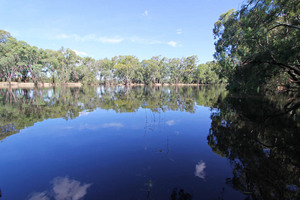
[22, 62]
[258, 46]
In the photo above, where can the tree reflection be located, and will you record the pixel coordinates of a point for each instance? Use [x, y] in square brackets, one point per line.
[21, 108]
[180, 195]
[261, 139]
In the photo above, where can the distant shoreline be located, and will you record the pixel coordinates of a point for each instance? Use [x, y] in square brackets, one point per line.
[4, 85]
[40, 85]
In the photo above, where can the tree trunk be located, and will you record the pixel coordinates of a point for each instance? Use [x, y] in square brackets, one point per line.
[9, 81]
[36, 83]
[126, 80]
[100, 79]
[153, 81]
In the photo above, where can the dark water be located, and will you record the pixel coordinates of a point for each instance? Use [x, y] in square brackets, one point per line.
[147, 143]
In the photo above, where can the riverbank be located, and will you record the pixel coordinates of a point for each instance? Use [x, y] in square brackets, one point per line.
[31, 85]
[47, 85]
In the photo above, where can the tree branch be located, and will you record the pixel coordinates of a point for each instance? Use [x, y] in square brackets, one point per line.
[286, 25]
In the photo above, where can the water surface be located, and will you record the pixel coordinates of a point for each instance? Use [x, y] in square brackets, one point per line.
[147, 143]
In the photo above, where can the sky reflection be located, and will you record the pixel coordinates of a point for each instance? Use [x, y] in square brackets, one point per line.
[199, 170]
[63, 188]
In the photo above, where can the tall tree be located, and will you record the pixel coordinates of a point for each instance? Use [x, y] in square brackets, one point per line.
[176, 70]
[89, 71]
[104, 70]
[9, 58]
[125, 67]
[188, 65]
[151, 70]
[52, 64]
[32, 61]
[68, 60]
[199, 73]
[259, 44]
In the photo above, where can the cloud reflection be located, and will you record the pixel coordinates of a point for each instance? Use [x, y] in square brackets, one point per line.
[63, 188]
[113, 125]
[39, 196]
[84, 113]
[199, 170]
[170, 122]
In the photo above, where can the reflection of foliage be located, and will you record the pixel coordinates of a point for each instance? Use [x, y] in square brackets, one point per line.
[22, 108]
[181, 195]
[261, 139]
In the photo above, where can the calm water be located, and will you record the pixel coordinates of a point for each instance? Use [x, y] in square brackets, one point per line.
[147, 143]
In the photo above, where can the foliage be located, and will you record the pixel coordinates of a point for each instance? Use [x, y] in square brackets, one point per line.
[258, 45]
[21, 62]
[125, 67]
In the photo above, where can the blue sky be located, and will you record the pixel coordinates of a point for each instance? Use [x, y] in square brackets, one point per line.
[144, 28]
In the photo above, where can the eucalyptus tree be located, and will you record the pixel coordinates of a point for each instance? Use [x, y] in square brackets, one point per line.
[151, 70]
[138, 76]
[52, 64]
[199, 73]
[164, 70]
[176, 70]
[159, 71]
[188, 67]
[89, 70]
[259, 44]
[32, 61]
[9, 58]
[124, 67]
[211, 76]
[68, 59]
[104, 70]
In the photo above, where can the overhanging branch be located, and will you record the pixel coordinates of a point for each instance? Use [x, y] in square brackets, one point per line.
[286, 25]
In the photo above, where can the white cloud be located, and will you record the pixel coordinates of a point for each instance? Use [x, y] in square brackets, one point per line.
[113, 125]
[80, 53]
[173, 43]
[63, 188]
[145, 41]
[146, 13]
[199, 170]
[62, 36]
[179, 31]
[90, 37]
[112, 40]
[170, 122]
